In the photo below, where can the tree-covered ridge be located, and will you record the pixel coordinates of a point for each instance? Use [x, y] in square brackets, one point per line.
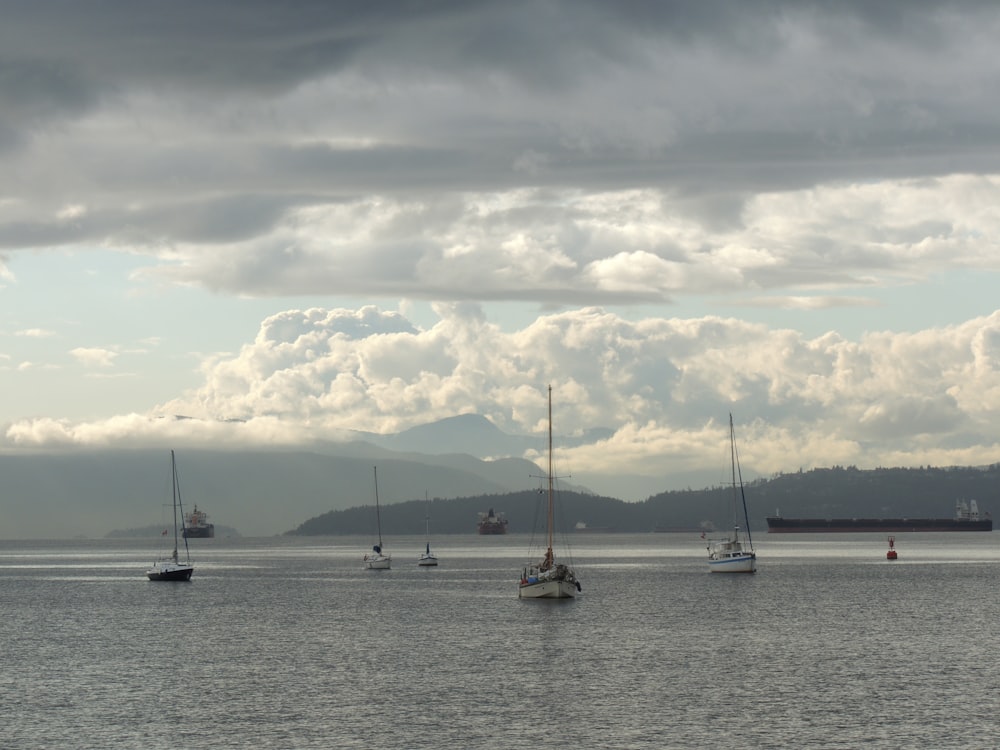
[835, 492]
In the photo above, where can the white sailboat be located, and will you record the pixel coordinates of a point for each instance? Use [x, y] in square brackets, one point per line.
[171, 568]
[732, 555]
[548, 579]
[427, 558]
[377, 559]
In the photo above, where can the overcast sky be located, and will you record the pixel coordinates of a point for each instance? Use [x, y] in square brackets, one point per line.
[292, 220]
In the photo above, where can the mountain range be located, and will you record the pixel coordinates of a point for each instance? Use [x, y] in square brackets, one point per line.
[260, 492]
[263, 492]
[256, 492]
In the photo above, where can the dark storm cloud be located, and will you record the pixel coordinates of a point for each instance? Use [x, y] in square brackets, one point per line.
[227, 129]
[69, 53]
[215, 45]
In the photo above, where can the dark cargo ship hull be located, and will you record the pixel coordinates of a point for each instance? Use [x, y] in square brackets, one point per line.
[200, 532]
[823, 525]
[493, 528]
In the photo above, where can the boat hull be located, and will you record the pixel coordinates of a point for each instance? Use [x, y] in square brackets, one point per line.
[170, 572]
[489, 529]
[547, 590]
[778, 525]
[735, 564]
[491, 523]
[378, 563]
[427, 562]
[200, 532]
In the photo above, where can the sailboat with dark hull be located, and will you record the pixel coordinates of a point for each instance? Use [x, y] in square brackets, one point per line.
[171, 568]
[548, 579]
[427, 559]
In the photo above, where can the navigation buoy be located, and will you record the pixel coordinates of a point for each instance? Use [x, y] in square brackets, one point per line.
[891, 554]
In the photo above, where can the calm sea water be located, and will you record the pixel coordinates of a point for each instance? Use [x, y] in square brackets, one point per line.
[288, 643]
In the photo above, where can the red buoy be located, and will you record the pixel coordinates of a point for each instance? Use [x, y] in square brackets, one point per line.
[891, 554]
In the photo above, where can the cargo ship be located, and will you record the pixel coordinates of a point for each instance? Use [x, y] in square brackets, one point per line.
[492, 523]
[196, 525]
[967, 518]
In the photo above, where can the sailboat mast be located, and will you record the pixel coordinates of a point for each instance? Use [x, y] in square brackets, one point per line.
[732, 461]
[378, 515]
[738, 474]
[551, 518]
[173, 479]
[179, 504]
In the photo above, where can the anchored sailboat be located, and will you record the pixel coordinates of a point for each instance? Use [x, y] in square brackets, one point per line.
[427, 558]
[376, 559]
[548, 579]
[171, 568]
[730, 555]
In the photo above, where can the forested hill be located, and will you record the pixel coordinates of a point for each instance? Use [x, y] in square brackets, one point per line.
[849, 492]
[461, 515]
[819, 493]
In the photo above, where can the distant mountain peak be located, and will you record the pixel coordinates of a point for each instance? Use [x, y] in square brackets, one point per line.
[461, 421]
[472, 434]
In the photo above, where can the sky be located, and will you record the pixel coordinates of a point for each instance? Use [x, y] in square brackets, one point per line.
[290, 221]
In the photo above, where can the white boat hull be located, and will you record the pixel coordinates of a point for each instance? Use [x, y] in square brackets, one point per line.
[746, 563]
[547, 590]
[382, 562]
[427, 561]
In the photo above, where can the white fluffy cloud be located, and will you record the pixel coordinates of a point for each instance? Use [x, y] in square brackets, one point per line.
[614, 247]
[663, 386]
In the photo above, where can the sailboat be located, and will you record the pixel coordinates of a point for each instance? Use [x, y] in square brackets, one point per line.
[548, 579]
[171, 568]
[376, 559]
[732, 555]
[427, 558]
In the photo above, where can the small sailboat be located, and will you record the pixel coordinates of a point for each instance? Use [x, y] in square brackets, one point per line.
[377, 559]
[427, 558]
[548, 579]
[171, 568]
[731, 555]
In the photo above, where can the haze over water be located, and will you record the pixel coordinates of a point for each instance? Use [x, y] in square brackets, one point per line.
[288, 643]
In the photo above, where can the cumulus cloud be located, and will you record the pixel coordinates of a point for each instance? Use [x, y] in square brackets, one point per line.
[663, 387]
[631, 246]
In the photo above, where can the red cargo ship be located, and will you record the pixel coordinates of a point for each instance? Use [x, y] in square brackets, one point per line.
[492, 523]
